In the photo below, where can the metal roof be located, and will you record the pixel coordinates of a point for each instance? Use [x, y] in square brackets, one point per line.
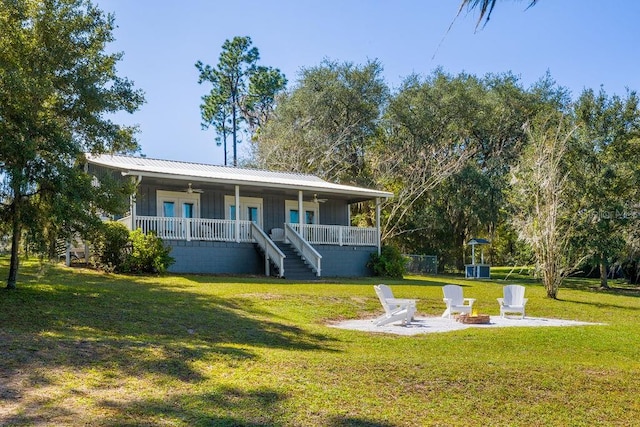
[478, 241]
[171, 169]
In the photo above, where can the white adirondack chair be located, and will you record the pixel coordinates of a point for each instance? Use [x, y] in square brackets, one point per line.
[455, 301]
[395, 309]
[513, 301]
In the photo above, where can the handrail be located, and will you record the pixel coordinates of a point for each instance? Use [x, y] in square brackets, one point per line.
[271, 251]
[127, 221]
[304, 248]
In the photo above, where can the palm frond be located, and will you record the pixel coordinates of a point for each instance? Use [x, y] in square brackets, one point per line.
[485, 6]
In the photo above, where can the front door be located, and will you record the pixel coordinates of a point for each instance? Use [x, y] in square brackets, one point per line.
[176, 204]
[250, 209]
[293, 215]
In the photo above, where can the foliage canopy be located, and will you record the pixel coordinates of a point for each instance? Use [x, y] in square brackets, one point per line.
[58, 87]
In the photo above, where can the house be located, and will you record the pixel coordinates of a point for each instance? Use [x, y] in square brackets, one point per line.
[227, 220]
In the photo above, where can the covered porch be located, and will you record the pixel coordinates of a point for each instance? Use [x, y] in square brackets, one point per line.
[205, 206]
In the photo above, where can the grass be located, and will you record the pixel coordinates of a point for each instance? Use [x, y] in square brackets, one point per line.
[80, 347]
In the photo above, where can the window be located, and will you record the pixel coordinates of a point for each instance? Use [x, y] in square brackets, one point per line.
[168, 209]
[294, 218]
[252, 214]
[187, 210]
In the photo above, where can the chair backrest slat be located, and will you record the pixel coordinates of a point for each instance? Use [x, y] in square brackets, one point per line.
[384, 292]
[514, 295]
[454, 293]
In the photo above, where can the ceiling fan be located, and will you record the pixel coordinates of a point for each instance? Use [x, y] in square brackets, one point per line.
[191, 190]
[317, 200]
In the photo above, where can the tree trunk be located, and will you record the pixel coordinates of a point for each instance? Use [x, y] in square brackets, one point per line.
[603, 273]
[235, 128]
[551, 280]
[15, 261]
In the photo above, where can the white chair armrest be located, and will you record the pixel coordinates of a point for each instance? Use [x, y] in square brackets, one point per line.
[524, 301]
[401, 301]
[501, 301]
[470, 300]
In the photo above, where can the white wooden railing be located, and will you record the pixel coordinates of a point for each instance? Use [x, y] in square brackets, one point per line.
[337, 235]
[126, 221]
[195, 228]
[304, 248]
[271, 251]
[225, 230]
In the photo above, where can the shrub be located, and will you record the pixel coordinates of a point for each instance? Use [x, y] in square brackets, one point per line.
[390, 263]
[148, 254]
[110, 246]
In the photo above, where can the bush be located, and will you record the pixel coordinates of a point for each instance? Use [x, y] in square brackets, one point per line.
[148, 254]
[121, 251]
[110, 246]
[390, 263]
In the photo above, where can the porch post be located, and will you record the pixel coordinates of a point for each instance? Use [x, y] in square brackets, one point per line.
[67, 253]
[132, 208]
[237, 213]
[134, 202]
[378, 223]
[300, 213]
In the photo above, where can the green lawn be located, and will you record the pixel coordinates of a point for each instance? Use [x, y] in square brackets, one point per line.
[84, 348]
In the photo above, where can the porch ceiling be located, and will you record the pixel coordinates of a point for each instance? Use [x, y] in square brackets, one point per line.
[257, 180]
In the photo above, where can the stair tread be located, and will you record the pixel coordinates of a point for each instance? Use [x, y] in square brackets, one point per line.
[294, 266]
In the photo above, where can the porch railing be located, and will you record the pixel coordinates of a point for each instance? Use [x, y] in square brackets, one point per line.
[304, 248]
[195, 228]
[271, 251]
[337, 235]
[225, 230]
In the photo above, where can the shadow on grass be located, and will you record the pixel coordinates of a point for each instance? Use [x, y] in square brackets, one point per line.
[262, 407]
[124, 328]
[600, 304]
[356, 422]
[616, 287]
[253, 408]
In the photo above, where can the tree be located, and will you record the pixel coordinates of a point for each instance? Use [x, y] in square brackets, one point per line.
[464, 132]
[605, 167]
[326, 124]
[259, 103]
[485, 6]
[57, 84]
[423, 140]
[539, 199]
[242, 91]
[471, 202]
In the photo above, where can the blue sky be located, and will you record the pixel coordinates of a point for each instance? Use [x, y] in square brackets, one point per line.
[582, 43]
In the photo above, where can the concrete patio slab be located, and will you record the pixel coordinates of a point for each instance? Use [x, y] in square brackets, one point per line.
[424, 325]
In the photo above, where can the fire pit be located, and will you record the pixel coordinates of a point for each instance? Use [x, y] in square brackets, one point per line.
[478, 319]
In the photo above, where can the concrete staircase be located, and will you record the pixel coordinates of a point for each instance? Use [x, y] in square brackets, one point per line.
[295, 268]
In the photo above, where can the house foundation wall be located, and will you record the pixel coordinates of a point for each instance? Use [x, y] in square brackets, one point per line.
[202, 257]
[345, 261]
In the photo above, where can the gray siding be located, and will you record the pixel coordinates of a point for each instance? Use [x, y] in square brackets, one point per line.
[273, 215]
[334, 212]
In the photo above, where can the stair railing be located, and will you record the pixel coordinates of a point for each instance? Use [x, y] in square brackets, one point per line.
[304, 248]
[271, 251]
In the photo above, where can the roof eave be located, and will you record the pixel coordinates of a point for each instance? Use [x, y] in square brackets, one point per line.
[356, 193]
